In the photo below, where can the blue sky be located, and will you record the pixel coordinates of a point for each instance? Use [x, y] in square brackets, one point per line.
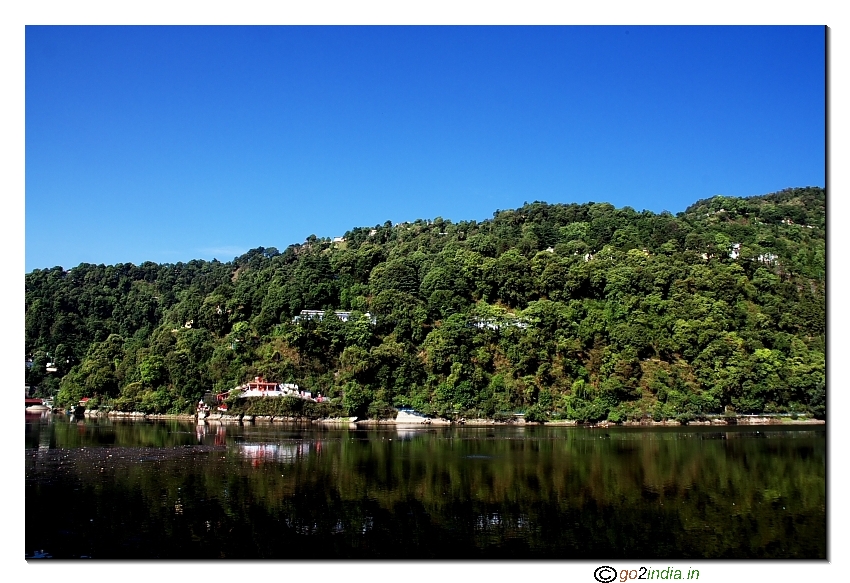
[174, 143]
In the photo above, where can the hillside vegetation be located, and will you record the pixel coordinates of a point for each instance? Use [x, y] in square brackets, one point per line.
[575, 311]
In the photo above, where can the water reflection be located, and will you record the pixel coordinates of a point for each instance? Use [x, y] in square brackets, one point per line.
[407, 433]
[218, 432]
[260, 453]
[214, 490]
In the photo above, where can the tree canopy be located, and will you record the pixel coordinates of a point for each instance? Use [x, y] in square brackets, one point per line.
[578, 311]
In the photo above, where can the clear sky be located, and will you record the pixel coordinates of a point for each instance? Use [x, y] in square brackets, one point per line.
[174, 143]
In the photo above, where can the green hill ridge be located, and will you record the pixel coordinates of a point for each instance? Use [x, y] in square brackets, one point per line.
[560, 311]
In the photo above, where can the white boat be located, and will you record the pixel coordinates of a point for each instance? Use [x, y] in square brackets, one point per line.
[34, 405]
[411, 417]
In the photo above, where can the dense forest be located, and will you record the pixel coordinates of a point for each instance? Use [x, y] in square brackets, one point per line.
[558, 311]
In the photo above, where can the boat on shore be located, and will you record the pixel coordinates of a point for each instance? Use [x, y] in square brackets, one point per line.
[411, 417]
[37, 407]
[34, 405]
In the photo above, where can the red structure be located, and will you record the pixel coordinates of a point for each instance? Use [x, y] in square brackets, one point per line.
[260, 384]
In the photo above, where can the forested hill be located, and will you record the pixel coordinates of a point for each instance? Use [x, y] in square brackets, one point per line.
[580, 311]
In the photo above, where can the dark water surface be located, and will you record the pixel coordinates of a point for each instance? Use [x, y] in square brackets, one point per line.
[109, 490]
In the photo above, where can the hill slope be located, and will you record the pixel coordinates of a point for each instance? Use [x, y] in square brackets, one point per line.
[579, 311]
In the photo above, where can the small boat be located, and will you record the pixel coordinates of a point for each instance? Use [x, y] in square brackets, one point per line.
[34, 405]
[411, 417]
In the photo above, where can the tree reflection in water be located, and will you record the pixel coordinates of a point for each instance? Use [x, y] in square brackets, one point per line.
[540, 492]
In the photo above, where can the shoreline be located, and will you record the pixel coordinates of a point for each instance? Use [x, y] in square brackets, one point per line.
[440, 422]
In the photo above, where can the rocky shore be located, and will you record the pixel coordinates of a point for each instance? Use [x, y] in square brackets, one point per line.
[437, 421]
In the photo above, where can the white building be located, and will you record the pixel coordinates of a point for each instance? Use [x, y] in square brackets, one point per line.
[320, 314]
[498, 324]
[736, 251]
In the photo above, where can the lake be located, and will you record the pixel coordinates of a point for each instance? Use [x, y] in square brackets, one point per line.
[106, 489]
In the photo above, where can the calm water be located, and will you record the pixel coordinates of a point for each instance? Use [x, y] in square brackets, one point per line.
[104, 489]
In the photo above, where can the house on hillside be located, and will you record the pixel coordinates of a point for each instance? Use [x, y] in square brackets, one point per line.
[320, 314]
[498, 324]
[767, 258]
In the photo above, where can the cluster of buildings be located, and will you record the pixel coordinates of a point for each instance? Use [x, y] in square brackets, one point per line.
[320, 314]
[260, 387]
[499, 323]
[509, 321]
[735, 254]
